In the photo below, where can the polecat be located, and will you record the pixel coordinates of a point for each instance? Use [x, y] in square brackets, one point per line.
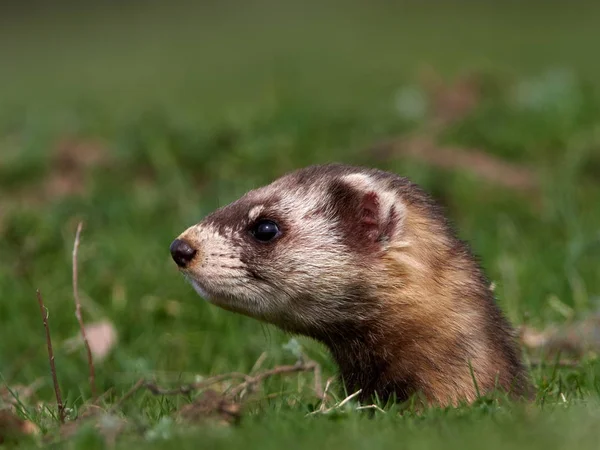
[365, 262]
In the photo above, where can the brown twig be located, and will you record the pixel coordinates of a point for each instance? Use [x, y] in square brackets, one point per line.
[136, 387]
[59, 402]
[78, 312]
[157, 390]
[249, 381]
[424, 148]
[186, 389]
[309, 366]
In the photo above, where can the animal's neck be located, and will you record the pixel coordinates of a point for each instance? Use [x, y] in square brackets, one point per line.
[426, 340]
[401, 358]
[367, 362]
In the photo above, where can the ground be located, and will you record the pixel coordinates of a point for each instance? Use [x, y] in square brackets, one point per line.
[141, 121]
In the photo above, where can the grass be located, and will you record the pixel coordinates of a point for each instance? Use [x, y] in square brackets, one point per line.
[186, 110]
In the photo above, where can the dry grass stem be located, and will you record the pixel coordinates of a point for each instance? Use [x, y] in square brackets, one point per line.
[324, 410]
[259, 362]
[59, 402]
[78, 311]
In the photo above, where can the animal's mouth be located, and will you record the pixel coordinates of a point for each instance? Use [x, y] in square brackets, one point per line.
[201, 290]
[217, 297]
[225, 297]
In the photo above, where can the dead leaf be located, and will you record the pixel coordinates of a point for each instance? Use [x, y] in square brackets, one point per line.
[13, 395]
[574, 339]
[101, 336]
[74, 154]
[14, 428]
[452, 101]
[108, 425]
[71, 161]
[211, 406]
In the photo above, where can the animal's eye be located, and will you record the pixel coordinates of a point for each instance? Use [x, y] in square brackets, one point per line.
[265, 230]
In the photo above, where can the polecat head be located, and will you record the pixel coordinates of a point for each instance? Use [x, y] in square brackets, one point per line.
[303, 251]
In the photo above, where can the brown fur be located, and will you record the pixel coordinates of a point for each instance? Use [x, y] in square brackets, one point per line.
[402, 303]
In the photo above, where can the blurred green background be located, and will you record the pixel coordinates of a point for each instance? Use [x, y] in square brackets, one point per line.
[140, 117]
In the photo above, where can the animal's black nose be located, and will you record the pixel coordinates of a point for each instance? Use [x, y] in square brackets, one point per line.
[182, 252]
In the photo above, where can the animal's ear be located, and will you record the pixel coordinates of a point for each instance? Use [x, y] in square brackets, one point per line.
[364, 214]
[377, 217]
